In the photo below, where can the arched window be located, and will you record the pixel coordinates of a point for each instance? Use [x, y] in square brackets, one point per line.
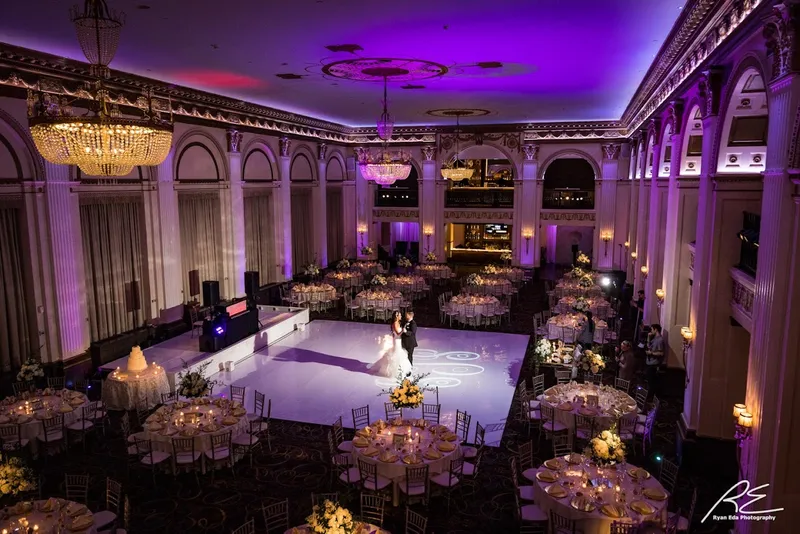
[692, 143]
[569, 184]
[404, 193]
[743, 143]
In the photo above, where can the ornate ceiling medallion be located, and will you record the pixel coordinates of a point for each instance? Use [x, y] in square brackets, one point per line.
[376, 69]
[458, 112]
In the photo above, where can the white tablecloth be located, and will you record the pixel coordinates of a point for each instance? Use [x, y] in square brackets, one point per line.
[459, 305]
[423, 439]
[573, 289]
[46, 521]
[613, 404]
[31, 425]
[390, 300]
[362, 528]
[369, 268]
[345, 279]
[597, 522]
[556, 324]
[317, 295]
[128, 392]
[510, 273]
[493, 286]
[566, 303]
[430, 271]
[407, 283]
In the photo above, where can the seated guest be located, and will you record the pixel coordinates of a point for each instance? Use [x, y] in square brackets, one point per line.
[627, 361]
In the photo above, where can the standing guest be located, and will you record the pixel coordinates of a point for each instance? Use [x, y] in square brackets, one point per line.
[627, 361]
[586, 335]
[655, 355]
[637, 312]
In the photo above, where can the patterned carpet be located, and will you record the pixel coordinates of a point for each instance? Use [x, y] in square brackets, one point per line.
[298, 466]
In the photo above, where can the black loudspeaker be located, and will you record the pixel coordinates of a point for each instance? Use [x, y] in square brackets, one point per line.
[210, 293]
[251, 284]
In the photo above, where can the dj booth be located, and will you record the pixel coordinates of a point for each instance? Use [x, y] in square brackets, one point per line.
[230, 323]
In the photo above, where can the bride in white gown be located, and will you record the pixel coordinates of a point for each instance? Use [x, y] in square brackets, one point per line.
[394, 359]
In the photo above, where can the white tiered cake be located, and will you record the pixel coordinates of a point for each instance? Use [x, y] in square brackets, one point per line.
[136, 361]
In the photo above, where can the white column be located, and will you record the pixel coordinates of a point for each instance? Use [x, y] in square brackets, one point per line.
[527, 208]
[350, 224]
[66, 256]
[627, 264]
[365, 200]
[320, 205]
[232, 212]
[655, 238]
[642, 217]
[163, 240]
[430, 230]
[606, 210]
[283, 211]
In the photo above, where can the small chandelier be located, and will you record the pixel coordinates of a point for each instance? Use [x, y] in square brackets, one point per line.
[384, 168]
[104, 143]
[451, 170]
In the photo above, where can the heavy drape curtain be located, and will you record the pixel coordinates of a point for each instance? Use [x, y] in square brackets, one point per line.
[302, 229]
[335, 225]
[14, 332]
[259, 237]
[113, 240]
[201, 237]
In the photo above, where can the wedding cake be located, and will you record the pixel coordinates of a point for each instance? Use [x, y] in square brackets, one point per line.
[136, 361]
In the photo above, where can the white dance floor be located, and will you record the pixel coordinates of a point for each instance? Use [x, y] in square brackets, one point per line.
[320, 373]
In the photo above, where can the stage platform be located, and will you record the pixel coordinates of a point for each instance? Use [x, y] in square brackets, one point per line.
[319, 373]
[276, 322]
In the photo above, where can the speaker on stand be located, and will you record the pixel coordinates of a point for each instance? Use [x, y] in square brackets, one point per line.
[210, 293]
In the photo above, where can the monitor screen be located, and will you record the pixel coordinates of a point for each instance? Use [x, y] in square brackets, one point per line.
[496, 229]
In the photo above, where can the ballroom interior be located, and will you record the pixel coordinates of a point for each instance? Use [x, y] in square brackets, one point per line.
[249, 192]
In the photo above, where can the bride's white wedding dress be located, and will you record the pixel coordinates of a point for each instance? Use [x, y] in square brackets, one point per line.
[393, 360]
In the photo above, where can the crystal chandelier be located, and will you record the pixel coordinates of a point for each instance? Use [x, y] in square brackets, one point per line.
[103, 143]
[384, 168]
[451, 170]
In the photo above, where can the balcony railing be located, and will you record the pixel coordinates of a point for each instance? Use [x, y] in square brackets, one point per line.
[743, 292]
[567, 199]
[397, 198]
[479, 197]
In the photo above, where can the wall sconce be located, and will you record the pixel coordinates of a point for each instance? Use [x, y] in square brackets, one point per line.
[627, 244]
[428, 232]
[644, 270]
[743, 421]
[606, 236]
[687, 335]
[527, 234]
[362, 229]
[660, 296]
[634, 255]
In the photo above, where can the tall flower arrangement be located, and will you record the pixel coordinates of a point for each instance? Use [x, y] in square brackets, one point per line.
[430, 256]
[474, 279]
[581, 305]
[195, 383]
[331, 518]
[30, 370]
[489, 269]
[606, 449]
[408, 393]
[15, 477]
[378, 280]
[366, 251]
[403, 262]
[592, 361]
[586, 281]
[543, 350]
[343, 264]
[583, 259]
[312, 269]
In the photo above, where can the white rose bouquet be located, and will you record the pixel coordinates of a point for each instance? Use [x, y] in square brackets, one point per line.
[403, 262]
[194, 383]
[378, 280]
[30, 370]
[15, 477]
[543, 350]
[430, 256]
[366, 251]
[591, 361]
[330, 518]
[606, 448]
[581, 305]
[343, 264]
[474, 280]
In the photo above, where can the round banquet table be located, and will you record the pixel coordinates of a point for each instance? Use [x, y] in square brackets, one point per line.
[510, 273]
[384, 299]
[303, 293]
[573, 289]
[557, 324]
[612, 404]
[492, 286]
[369, 268]
[127, 391]
[361, 528]
[633, 490]
[19, 410]
[433, 445]
[565, 305]
[345, 279]
[46, 515]
[434, 271]
[482, 304]
[177, 420]
[407, 283]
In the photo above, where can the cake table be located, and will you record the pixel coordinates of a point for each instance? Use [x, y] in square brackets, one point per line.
[139, 385]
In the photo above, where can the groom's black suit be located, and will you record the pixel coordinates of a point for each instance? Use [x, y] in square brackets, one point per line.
[409, 339]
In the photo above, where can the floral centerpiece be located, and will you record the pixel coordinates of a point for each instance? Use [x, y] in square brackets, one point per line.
[489, 269]
[312, 269]
[403, 262]
[505, 256]
[474, 279]
[378, 280]
[30, 370]
[195, 383]
[15, 477]
[581, 305]
[586, 281]
[577, 272]
[331, 518]
[606, 448]
[430, 256]
[583, 259]
[543, 350]
[343, 264]
[408, 393]
[592, 361]
[366, 251]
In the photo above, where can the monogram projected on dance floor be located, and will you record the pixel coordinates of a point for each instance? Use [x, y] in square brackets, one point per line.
[446, 368]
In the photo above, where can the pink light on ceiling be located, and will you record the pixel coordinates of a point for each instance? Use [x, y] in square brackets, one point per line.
[217, 78]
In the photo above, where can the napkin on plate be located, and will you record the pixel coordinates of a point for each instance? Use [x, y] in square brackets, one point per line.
[189, 432]
[613, 511]
[553, 463]
[411, 459]
[432, 454]
[369, 453]
[565, 406]
[75, 509]
[638, 472]
[449, 436]
[582, 503]
[360, 442]
[574, 458]
[49, 505]
[238, 412]
[65, 408]
[445, 446]
[655, 493]
[229, 420]
[642, 507]
[22, 419]
[546, 476]
[556, 491]
[82, 522]
[388, 457]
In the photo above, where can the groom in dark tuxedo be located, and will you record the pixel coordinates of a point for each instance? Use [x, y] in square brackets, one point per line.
[409, 336]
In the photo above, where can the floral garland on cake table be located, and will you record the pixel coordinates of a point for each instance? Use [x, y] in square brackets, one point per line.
[331, 518]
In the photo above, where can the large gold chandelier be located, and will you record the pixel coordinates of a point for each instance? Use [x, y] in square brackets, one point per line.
[451, 170]
[102, 142]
